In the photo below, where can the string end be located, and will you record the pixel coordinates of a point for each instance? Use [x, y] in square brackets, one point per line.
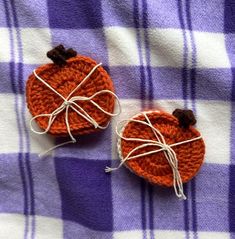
[109, 170]
[182, 197]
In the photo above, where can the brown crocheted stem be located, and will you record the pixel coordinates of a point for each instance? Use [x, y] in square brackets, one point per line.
[185, 117]
[59, 55]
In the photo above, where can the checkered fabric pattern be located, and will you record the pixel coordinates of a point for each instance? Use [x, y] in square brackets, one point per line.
[161, 54]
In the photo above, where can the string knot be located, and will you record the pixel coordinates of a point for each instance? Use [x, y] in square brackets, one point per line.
[67, 103]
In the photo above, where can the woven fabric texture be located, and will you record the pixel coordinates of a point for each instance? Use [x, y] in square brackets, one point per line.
[161, 55]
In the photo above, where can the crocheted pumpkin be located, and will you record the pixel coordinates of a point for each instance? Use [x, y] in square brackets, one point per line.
[154, 167]
[68, 70]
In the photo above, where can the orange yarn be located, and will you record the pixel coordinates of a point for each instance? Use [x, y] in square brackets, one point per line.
[41, 100]
[155, 167]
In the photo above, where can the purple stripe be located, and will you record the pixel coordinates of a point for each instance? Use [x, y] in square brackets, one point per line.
[27, 162]
[232, 198]
[21, 90]
[233, 86]
[194, 207]
[186, 213]
[12, 64]
[185, 53]
[194, 52]
[185, 96]
[151, 211]
[232, 167]
[193, 195]
[142, 73]
[193, 92]
[233, 89]
[15, 90]
[229, 26]
[186, 210]
[32, 211]
[150, 98]
[143, 210]
[146, 41]
[142, 96]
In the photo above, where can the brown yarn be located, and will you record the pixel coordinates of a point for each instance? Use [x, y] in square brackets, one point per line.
[59, 54]
[185, 117]
[155, 168]
[42, 100]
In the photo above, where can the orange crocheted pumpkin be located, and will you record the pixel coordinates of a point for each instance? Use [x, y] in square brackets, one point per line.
[154, 167]
[64, 76]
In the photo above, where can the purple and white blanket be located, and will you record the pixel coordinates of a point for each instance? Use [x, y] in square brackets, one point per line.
[161, 54]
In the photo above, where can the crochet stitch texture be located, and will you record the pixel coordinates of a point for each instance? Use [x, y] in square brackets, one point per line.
[155, 168]
[41, 100]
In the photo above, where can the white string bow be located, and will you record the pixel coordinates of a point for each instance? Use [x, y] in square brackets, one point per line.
[70, 102]
[161, 145]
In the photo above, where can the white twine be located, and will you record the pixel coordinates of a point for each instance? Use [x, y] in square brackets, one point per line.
[161, 145]
[70, 102]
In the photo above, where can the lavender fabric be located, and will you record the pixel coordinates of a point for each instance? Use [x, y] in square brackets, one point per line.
[161, 54]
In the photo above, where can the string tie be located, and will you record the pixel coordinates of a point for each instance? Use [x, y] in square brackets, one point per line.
[160, 145]
[72, 103]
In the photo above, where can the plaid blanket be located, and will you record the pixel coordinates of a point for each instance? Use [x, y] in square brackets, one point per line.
[161, 54]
